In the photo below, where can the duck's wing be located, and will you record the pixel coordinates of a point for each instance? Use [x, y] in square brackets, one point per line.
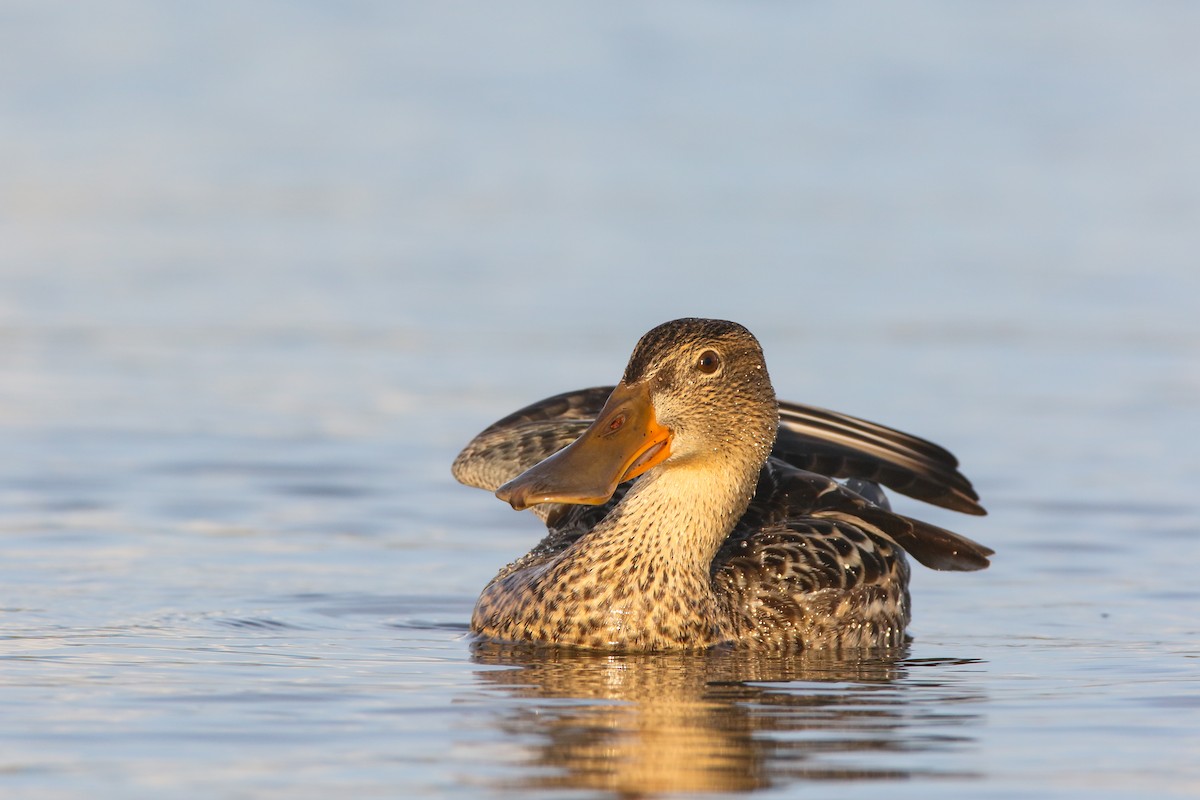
[805, 503]
[811, 438]
[508, 447]
[811, 562]
[841, 446]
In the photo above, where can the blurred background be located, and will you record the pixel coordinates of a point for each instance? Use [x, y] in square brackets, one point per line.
[265, 267]
[188, 186]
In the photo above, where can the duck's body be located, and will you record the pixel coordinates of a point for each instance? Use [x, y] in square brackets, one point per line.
[690, 509]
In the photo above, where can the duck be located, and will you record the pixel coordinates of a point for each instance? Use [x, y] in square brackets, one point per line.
[686, 508]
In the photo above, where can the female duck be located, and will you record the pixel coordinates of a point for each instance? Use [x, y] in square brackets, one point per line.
[734, 530]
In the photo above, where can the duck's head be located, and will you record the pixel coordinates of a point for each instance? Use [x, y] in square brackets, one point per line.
[695, 393]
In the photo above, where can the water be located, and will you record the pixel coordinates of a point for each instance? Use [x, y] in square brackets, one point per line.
[264, 269]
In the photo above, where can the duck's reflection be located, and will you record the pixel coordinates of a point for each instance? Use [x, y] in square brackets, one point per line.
[723, 720]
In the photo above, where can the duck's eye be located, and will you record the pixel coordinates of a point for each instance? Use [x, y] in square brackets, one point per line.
[709, 362]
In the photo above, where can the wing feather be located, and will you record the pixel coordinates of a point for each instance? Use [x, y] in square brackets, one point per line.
[810, 438]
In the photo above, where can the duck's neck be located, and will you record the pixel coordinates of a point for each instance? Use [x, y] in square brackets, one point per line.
[676, 516]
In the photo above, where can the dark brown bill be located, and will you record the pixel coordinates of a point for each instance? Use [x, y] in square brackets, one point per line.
[623, 442]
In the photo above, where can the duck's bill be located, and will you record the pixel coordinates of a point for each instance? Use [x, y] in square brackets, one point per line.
[624, 441]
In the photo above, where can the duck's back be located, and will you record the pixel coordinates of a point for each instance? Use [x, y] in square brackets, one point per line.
[811, 565]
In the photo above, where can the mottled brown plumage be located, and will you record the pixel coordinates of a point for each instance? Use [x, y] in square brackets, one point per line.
[687, 508]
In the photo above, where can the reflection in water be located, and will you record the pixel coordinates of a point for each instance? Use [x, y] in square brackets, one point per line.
[723, 720]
